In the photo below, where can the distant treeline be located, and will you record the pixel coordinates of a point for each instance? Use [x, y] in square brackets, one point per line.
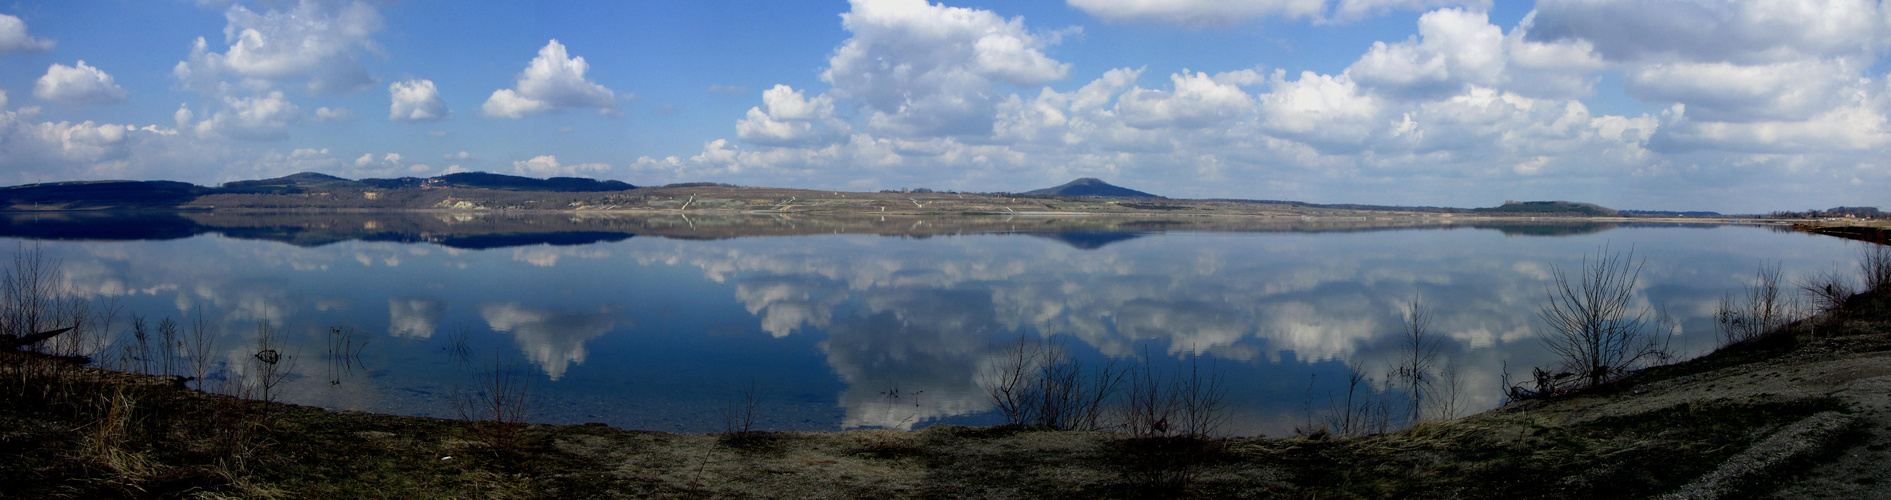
[1834, 212]
[1671, 213]
[1343, 206]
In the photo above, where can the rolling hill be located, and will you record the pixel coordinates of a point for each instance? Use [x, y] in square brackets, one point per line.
[1089, 186]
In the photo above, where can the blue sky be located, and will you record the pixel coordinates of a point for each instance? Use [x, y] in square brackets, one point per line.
[1737, 106]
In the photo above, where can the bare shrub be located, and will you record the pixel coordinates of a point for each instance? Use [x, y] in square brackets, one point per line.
[137, 354]
[1149, 404]
[1448, 402]
[30, 293]
[1010, 382]
[37, 311]
[1202, 400]
[1760, 310]
[1592, 324]
[1038, 382]
[1829, 290]
[499, 404]
[1351, 415]
[1171, 424]
[1191, 403]
[741, 419]
[99, 324]
[273, 366]
[78, 315]
[1875, 262]
[199, 348]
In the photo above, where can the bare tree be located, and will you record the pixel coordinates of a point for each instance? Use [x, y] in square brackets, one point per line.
[1418, 357]
[1592, 323]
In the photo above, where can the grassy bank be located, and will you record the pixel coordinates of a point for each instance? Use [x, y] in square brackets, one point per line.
[1801, 410]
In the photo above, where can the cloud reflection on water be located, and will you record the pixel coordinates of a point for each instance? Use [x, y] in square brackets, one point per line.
[921, 315]
[414, 317]
[931, 310]
[551, 338]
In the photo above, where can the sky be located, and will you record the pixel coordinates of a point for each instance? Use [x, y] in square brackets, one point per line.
[1737, 106]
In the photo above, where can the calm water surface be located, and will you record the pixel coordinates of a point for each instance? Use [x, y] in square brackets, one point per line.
[861, 330]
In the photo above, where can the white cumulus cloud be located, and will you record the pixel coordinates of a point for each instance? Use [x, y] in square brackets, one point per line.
[1226, 12]
[1198, 12]
[1320, 109]
[790, 118]
[924, 69]
[416, 101]
[1741, 32]
[1196, 101]
[1453, 48]
[13, 37]
[41, 151]
[78, 84]
[326, 114]
[1722, 91]
[320, 40]
[266, 117]
[548, 166]
[552, 81]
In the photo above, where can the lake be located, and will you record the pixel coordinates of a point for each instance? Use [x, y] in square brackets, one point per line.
[663, 322]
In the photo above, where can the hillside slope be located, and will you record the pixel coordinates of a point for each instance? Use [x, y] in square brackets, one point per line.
[1089, 186]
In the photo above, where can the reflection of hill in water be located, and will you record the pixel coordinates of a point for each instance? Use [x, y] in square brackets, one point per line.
[1090, 240]
[1551, 229]
[88, 226]
[1572, 228]
[486, 230]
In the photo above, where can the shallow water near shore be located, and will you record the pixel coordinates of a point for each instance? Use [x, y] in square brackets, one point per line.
[886, 329]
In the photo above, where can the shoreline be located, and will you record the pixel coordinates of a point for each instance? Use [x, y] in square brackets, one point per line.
[1367, 215]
